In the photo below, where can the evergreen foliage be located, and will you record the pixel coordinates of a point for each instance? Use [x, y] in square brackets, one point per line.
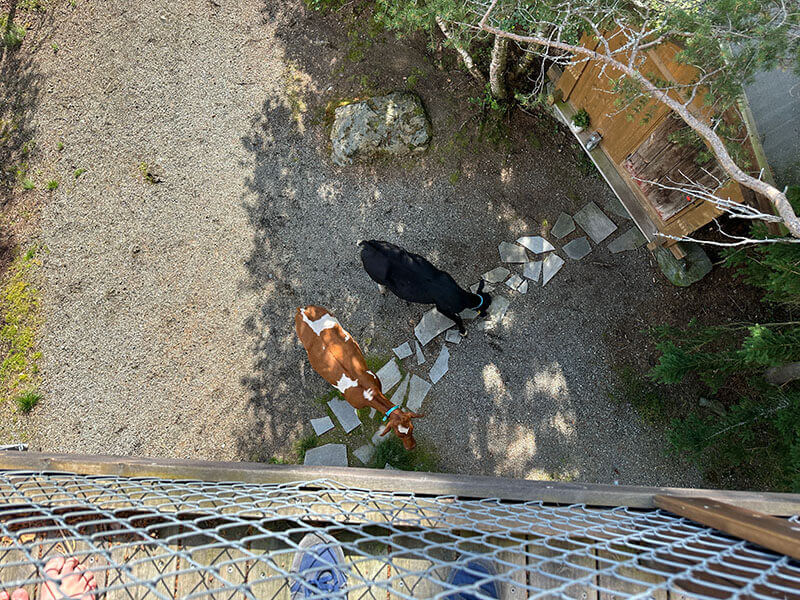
[750, 435]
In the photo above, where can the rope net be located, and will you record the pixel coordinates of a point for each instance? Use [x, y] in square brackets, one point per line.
[156, 538]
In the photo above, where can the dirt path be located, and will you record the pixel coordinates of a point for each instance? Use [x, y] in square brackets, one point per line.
[168, 306]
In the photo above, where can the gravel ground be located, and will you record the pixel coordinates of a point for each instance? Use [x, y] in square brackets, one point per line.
[169, 306]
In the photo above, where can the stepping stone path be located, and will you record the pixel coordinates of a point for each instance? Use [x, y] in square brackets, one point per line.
[417, 390]
[364, 453]
[550, 266]
[322, 425]
[420, 355]
[536, 244]
[616, 207]
[533, 270]
[577, 248]
[432, 324]
[329, 455]
[495, 314]
[399, 395]
[345, 414]
[413, 389]
[453, 336]
[512, 253]
[594, 222]
[494, 276]
[630, 240]
[514, 282]
[564, 226]
[403, 351]
[441, 365]
[389, 374]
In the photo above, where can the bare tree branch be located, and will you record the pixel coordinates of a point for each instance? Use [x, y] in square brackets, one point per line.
[616, 60]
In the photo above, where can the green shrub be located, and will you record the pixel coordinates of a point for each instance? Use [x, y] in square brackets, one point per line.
[52, 185]
[11, 34]
[581, 119]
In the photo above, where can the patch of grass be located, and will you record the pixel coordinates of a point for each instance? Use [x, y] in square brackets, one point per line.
[303, 445]
[79, 172]
[52, 185]
[27, 400]
[274, 460]
[534, 141]
[454, 177]
[391, 451]
[414, 78]
[55, 47]
[11, 34]
[19, 308]
[27, 184]
[60, 146]
[636, 390]
[32, 5]
[586, 166]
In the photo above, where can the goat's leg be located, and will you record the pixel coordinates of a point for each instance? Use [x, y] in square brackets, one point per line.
[454, 317]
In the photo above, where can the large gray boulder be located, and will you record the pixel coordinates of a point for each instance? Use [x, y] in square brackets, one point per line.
[686, 271]
[392, 124]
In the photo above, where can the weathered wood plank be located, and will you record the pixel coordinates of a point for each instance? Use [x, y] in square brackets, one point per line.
[469, 486]
[553, 569]
[759, 528]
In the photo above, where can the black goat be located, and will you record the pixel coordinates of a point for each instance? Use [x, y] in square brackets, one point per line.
[412, 278]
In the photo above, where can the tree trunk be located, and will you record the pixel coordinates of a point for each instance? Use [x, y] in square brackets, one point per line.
[497, 68]
[524, 64]
[468, 62]
[783, 374]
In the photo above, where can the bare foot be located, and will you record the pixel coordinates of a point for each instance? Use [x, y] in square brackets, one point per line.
[17, 594]
[72, 580]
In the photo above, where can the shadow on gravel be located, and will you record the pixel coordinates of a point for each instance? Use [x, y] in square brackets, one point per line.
[20, 88]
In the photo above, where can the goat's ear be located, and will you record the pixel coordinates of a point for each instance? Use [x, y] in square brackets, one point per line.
[386, 430]
[480, 286]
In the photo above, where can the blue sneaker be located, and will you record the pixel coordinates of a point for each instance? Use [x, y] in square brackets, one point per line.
[478, 570]
[320, 565]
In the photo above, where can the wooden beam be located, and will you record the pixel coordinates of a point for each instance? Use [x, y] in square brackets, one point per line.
[432, 484]
[757, 527]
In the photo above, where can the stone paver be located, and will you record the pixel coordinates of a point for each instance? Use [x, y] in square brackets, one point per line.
[420, 354]
[496, 275]
[417, 390]
[535, 243]
[512, 253]
[550, 266]
[452, 336]
[523, 288]
[403, 350]
[533, 270]
[389, 374]
[388, 467]
[440, 366]
[496, 312]
[322, 425]
[345, 414]
[466, 315]
[400, 393]
[432, 324]
[577, 248]
[564, 226]
[486, 287]
[514, 281]
[594, 222]
[377, 438]
[630, 240]
[364, 453]
[329, 455]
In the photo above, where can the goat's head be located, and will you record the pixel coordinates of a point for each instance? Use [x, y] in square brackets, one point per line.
[486, 300]
[400, 421]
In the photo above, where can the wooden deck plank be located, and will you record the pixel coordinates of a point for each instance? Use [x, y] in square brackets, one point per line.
[769, 532]
[556, 574]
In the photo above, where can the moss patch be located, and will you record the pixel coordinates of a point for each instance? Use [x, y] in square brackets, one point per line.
[19, 303]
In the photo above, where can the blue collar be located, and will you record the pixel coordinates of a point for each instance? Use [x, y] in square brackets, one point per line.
[479, 305]
[388, 412]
